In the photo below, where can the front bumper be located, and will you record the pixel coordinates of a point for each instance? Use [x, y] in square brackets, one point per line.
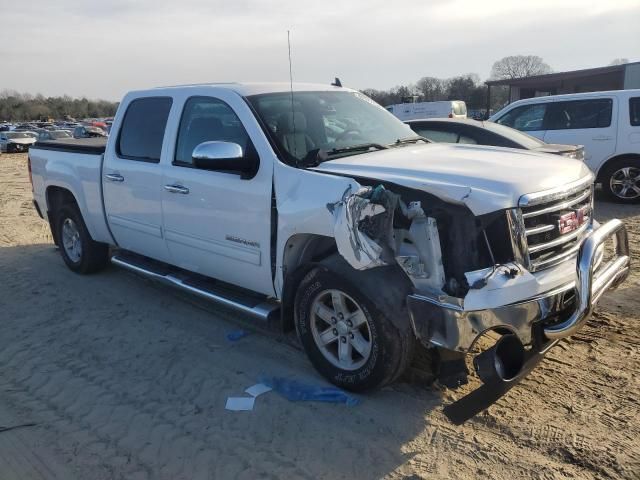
[537, 320]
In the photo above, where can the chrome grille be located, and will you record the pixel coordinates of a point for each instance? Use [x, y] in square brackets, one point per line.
[554, 224]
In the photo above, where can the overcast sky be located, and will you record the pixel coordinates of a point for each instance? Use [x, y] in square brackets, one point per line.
[101, 49]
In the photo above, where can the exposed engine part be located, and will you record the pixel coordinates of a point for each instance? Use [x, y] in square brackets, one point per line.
[421, 257]
[366, 237]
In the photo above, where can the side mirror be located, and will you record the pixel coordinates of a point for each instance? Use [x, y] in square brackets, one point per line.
[224, 156]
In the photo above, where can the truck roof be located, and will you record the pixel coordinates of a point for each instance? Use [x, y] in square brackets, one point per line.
[247, 89]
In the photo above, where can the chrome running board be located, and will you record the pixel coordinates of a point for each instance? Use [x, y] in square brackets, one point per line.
[255, 305]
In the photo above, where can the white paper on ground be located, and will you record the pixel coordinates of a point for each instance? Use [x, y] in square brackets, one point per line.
[238, 404]
[258, 389]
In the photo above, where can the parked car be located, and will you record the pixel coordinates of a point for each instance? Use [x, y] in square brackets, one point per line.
[365, 241]
[606, 123]
[24, 127]
[15, 142]
[54, 135]
[443, 109]
[88, 132]
[468, 131]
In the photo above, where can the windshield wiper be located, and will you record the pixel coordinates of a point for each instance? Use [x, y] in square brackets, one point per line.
[404, 141]
[357, 148]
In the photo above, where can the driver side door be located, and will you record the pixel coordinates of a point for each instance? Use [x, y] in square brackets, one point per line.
[218, 223]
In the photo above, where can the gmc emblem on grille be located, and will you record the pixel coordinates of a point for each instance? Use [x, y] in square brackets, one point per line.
[573, 220]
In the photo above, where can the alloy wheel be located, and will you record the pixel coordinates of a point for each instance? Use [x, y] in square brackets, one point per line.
[341, 330]
[625, 183]
[71, 240]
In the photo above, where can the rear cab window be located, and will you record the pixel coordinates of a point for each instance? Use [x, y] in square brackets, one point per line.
[634, 111]
[143, 128]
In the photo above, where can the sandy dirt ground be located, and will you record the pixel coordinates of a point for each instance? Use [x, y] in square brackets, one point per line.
[113, 376]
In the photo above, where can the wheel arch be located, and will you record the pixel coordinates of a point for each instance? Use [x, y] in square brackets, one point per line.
[57, 196]
[621, 156]
[302, 253]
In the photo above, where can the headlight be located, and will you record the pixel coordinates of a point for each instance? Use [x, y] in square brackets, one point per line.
[578, 154]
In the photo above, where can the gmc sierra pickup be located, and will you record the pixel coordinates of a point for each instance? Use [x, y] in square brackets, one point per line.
[313, 207]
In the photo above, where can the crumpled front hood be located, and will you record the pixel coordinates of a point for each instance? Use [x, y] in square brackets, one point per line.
[486, 179]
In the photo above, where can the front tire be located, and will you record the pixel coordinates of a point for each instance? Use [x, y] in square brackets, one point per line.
[621, 180]
[79, 251]
[350, 338]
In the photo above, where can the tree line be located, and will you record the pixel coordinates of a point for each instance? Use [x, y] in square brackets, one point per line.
[431, 89]
[16, 106]
[466, 87]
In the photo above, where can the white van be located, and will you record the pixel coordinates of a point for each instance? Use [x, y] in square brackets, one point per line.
[419, 111]
[606, 123]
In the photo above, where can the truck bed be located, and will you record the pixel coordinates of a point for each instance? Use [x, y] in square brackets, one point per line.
[76, 145]
[74, 165]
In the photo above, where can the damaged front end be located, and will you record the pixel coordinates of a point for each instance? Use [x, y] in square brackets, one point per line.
[435, 243]
[519, 273]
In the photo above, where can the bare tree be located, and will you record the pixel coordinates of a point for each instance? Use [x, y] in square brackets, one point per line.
[519, 66]
[619, 61]
[431, 89]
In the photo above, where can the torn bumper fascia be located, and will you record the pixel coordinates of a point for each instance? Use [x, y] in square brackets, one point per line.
[360, 251]
[446, 324]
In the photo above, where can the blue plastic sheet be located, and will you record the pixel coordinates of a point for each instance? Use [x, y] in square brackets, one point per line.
[295, 391]
[236, 335]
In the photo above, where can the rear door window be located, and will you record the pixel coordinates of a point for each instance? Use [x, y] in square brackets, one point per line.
[579, 114]
[527, 118]
[634, 111]
[143, 128]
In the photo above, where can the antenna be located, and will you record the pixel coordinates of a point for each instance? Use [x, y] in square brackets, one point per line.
[293, 116]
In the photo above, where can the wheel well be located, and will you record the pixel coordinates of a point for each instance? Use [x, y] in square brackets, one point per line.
[56, 198]
[302, 252]
[617, 158]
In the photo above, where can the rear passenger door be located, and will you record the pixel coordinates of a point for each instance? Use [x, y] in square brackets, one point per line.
[590, 122]
[132, 178]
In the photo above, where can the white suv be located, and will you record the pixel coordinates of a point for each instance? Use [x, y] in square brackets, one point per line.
[606, 123]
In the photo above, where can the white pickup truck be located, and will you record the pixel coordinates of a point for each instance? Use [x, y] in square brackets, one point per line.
[313, 207]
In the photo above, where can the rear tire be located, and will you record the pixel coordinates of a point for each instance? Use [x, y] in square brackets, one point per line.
[621, 180]
[79, 251]
[365, 343]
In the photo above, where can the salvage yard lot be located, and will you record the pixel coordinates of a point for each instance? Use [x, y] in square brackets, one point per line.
[114, 376]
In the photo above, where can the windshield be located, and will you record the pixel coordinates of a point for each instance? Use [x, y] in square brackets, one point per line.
[326, 124]
[527, 141]
[58, 135]
[17, 135]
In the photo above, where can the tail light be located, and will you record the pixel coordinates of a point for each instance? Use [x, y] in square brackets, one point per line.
[451, 115]
[30, 174]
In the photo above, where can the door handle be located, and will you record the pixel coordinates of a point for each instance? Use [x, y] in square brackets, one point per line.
[176, 189]
[114, 177]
